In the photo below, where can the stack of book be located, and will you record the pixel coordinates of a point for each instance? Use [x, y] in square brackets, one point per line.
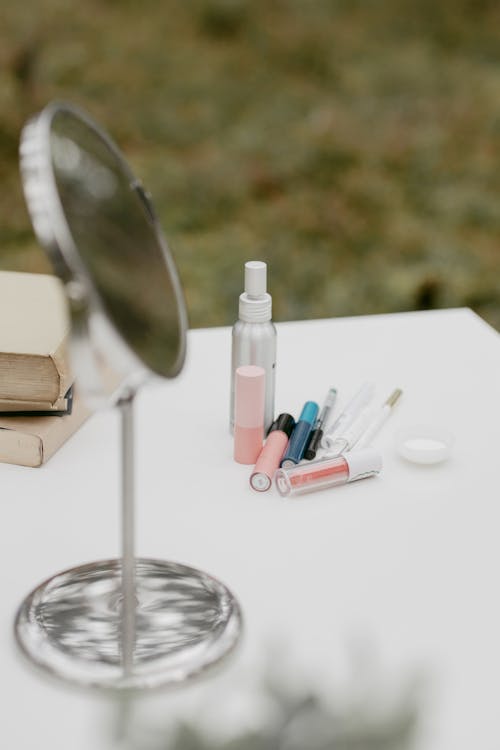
[39, 409]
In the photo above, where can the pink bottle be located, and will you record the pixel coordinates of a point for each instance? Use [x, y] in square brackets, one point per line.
[272, 453]
[250, 388]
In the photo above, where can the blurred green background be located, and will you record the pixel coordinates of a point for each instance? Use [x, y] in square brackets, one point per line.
[354, 146]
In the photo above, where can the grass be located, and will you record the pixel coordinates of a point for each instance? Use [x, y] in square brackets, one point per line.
[354, 146]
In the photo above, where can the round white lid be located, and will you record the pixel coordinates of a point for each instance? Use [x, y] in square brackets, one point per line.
[424, 444]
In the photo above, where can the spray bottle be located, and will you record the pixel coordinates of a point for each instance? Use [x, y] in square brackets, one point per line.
[254, 335]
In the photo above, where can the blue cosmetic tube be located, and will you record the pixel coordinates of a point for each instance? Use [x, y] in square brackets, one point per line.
[300, 435]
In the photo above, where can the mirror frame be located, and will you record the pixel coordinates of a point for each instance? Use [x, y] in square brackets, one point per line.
[86, 307]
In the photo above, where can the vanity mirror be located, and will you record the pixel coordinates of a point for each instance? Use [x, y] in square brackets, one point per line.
[128, 622]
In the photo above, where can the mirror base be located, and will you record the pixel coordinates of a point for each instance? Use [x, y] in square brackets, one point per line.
[71, 626]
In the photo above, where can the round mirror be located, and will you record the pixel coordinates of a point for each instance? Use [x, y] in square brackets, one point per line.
[98, 225]
[132, 622]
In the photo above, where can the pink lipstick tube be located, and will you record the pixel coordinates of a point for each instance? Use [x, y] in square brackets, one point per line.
[250, 387]
[272, 453]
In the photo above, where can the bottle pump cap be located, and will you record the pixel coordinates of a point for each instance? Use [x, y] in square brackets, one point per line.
[255, 303]
[255, 278]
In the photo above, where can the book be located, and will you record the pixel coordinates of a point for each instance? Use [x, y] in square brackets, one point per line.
[31, 441]
[31, 409]
[34, 369]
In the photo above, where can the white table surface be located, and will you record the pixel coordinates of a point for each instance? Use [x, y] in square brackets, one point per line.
[389, 581]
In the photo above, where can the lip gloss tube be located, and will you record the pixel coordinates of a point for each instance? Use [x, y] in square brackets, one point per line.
[350, 413]
[319, 426]
[347, 439]
[328, 472]
[272, 452]
[250, 382]
[300, 435]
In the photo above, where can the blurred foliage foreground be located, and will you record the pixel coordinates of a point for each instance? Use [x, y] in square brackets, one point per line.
[369, 709]
[354, 146]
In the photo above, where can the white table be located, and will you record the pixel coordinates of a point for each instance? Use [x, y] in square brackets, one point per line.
[355, 591]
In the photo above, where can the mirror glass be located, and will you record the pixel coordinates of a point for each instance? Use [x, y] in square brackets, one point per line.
[118, 239]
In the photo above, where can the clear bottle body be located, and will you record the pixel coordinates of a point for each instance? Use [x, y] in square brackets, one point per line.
[312, 476]
[255, 344]
[328, 472]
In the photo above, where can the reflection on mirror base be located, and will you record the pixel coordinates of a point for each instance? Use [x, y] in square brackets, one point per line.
[70, 625]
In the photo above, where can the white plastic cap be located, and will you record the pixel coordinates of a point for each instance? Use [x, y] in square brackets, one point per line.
[255, 278]
[363, 463]
[424, 444]
[255, 304]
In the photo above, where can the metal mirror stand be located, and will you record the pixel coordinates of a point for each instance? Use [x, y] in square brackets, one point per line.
[128, 623]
